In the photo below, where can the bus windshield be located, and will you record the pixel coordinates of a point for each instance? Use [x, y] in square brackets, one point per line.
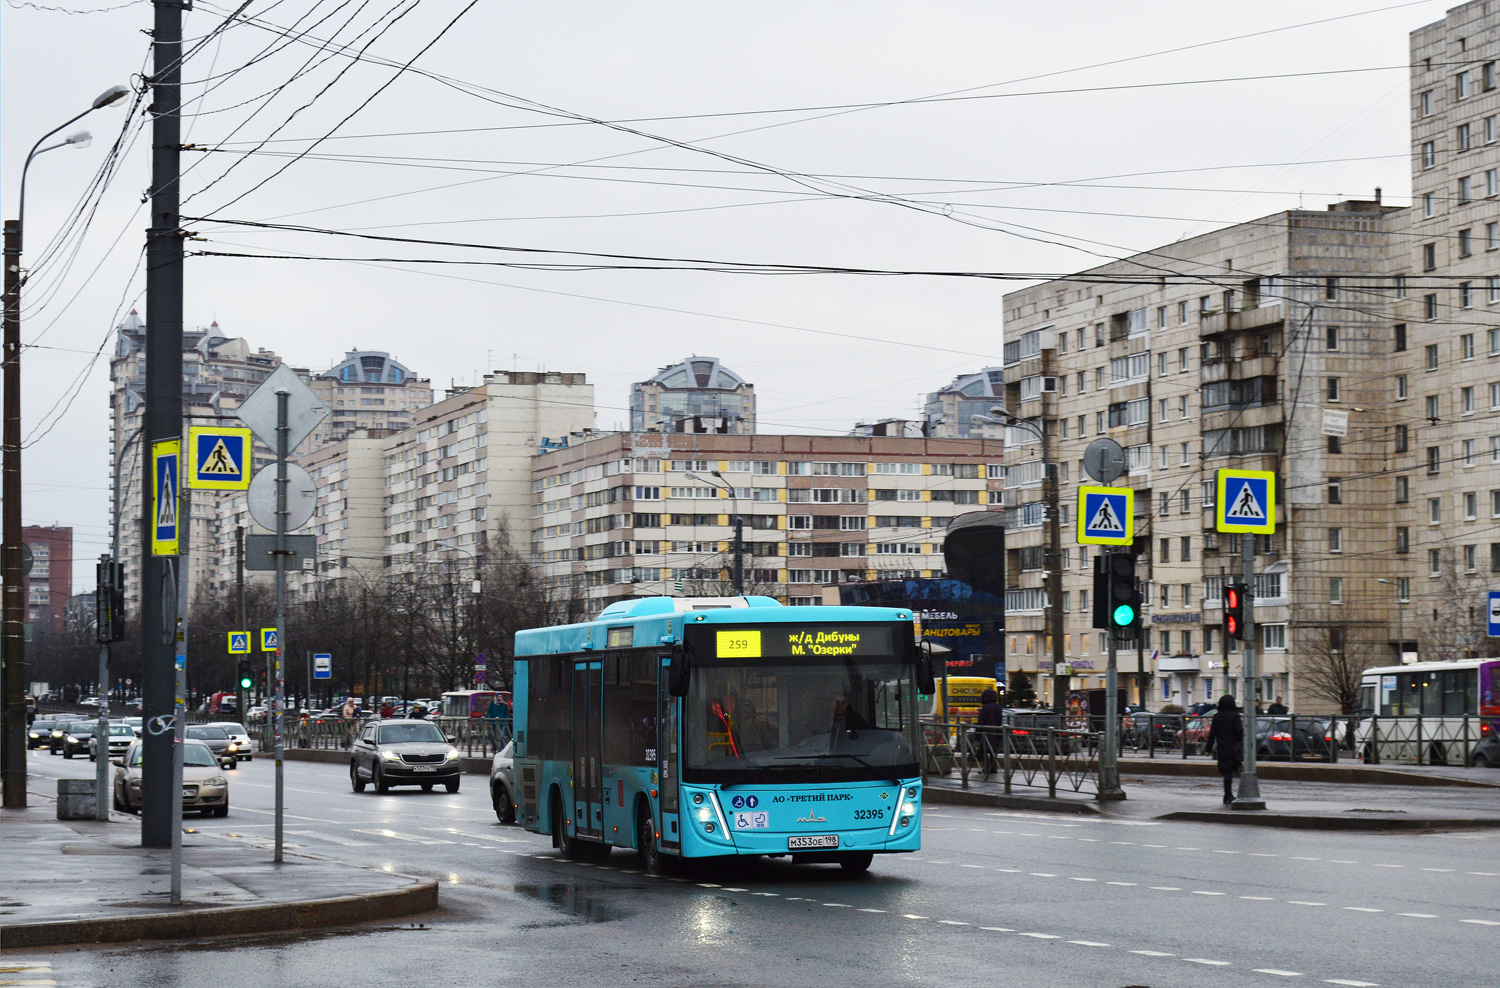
[843, 707]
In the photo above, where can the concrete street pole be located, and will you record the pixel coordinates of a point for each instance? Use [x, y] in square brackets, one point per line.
[13, 742]
[279, 684]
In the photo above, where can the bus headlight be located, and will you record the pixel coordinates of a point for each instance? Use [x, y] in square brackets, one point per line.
[705, 814]
[909, 809]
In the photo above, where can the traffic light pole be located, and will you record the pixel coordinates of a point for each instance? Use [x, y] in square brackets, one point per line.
[1249, 797]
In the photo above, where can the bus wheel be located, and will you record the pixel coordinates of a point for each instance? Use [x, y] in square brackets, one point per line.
[1368, 755]
[652, 860]
[857, 862]
[568, 846]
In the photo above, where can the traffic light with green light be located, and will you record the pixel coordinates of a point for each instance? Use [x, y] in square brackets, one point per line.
[246, 679]
[1124, 597]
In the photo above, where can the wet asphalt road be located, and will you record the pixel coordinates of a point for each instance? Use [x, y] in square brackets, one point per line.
[994, 898]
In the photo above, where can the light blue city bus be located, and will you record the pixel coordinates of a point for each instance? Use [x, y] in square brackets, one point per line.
[714, 727]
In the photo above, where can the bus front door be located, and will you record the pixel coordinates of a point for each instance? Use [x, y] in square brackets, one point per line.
[588, 784]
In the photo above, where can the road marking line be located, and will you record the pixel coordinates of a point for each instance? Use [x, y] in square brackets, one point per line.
[1083, 879]
[998, 929]
[1010, 871]
[1296, 858]
[1089, 943]
[1481, 922]
[1337, 861]
[1205, 960]
[709, 885]
[952, 922]
[913, 916]
[1389, 866]
[330, 838]
[460, 833]
[1284, 974]
[1196, 892]
[1041, 936]
[1165, 888]
[1486, 874]
[726, 890]
[1299, 902]
[1226, 852]
[1126, 843]
[774, 895]
[1042, 874]
[623, 871]
[1439, 869]
[1258, 898]
[1419, 915]
[838, 905]
[980, 867]
[1154, 845]
[1119, 883]
[397, 835]
[1351, 984]
[1088, 840]
[872, 910]
[1152, 953]
[1260, 854]
[1363, 909]
[1187, 848]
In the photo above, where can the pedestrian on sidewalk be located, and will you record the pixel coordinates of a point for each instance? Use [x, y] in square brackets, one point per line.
[991, 719]
[1226, 740]
[1277, 708]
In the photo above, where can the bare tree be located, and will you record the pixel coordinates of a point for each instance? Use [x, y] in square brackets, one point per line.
[1333, 663]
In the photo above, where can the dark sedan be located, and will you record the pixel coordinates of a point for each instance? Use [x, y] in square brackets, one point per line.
[39, 735]
[403, 753]
[219, 742]
[75, 737]
[1291, 739]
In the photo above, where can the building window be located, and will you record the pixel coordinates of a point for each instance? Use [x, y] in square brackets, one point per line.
[1333, 389]
[1330, 289]
[1403, 539]
[1434, 562]
[1466, 400]
[1466, 343]
[1465, 242]
[1468, 452]
[1429, 257]
[1434, 460]
[1491, 182]
[1331, 338]
[1429, 154]
[1335, 490]
[1462, 137]
[1186, 554]
[1434, 511]
[1335, 444]
[1471, 505]
[1432, 408]
[1430, 307]
[1431, 353]
[1273, 637]
[1471, 558]
[1429, 205]
[1335, 590]
[1403, 589]
[1462, 86]
[1424, 103]
[1399, 331]
[1400, 284]
[1492, 236]
[1335, 540]
[1401, 387]
[1402, 439]
[1403, 490]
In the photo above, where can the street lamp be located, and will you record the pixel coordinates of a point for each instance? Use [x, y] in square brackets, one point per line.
[1000, 415]
[736, 520]
[13, 764]
[1400, 620]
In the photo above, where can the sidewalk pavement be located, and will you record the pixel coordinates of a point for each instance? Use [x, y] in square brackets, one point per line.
[1296, 804]
[87, 881]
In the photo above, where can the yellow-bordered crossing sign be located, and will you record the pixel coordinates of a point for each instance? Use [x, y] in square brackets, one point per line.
[1106, 515]
[1246, 502]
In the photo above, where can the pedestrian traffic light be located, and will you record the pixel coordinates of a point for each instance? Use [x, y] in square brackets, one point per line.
[246, 679]
[1124, 597]
[1234, 610]
[109, 601]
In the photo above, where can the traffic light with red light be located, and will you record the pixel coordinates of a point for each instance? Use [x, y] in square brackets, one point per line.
[1234, 610]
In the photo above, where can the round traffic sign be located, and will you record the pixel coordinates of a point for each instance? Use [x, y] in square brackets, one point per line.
[1104, 460]
[301, 497]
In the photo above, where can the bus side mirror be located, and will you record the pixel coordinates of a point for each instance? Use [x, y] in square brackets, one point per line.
[926, 676]
[679, 673]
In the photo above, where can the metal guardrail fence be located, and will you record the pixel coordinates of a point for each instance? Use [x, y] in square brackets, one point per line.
[1038, 757]
[474, 736]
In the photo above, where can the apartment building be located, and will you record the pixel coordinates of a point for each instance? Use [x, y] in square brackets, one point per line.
[49, 585]
[632, 514]
[368, 389]
[1261, 346]
[1443, 387]
[460, 477]
[697, 395]
[949, 413]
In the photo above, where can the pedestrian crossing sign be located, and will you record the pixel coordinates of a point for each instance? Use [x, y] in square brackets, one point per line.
[239, 642]
[218, 458]
[1106, 515]
[1246, 502]
[165, 464]
[268, 640]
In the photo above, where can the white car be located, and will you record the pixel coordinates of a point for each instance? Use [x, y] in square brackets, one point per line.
[244, 743]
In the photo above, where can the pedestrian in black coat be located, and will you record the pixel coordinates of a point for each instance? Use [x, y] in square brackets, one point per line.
[991, 720]
[1226, 740]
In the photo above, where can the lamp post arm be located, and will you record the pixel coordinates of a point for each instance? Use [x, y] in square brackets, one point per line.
[37, 149]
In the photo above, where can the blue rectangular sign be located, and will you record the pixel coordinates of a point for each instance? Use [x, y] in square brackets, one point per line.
[1494, 614]
[322, 665]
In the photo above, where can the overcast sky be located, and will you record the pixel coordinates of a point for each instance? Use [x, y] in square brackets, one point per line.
[1034, 95]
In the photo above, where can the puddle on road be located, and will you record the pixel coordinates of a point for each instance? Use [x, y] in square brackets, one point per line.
[584, 904]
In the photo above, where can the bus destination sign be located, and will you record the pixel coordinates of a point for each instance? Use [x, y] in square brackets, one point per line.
[803, 641]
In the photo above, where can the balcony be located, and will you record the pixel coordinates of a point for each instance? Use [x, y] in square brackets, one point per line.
[1240, 320]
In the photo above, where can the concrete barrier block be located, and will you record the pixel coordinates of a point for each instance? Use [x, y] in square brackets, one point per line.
[75, 799]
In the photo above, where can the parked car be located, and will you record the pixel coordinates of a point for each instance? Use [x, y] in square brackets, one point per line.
[121, 737]
[1195, 734]
[403, 753]
[136, 724]
[244, 743]
[1486, 753]
[75, 738]
[503, 783]
[59, 730]
[39, 735]
[204, 787]
[225, 750]
[1280, 738]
